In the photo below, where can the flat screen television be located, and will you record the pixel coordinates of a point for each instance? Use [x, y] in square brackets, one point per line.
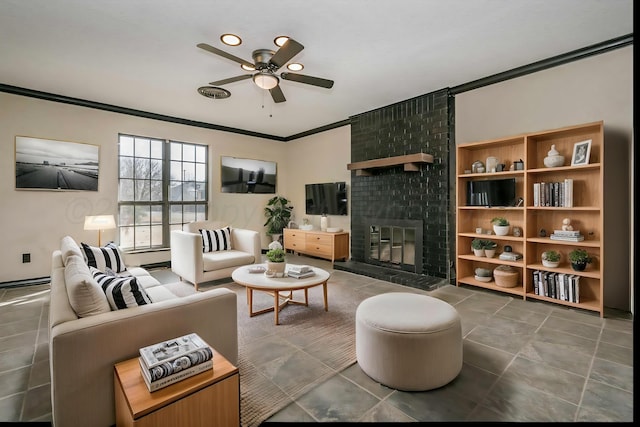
[329, 198]
[492, 192]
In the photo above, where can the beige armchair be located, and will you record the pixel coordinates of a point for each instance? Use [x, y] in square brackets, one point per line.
[192, 264]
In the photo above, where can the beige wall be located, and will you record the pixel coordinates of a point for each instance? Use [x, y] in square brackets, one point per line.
[34, 221]
[315, 159]
[593, 89]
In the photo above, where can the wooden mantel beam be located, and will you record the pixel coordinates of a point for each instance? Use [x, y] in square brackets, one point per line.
[411, 163]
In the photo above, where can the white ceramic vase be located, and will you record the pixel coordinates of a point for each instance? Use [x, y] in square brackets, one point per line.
[501, 230]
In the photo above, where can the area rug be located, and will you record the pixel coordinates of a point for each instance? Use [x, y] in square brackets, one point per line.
[280, 363]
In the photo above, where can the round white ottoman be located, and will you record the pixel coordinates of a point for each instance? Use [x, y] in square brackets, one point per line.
[408, 341]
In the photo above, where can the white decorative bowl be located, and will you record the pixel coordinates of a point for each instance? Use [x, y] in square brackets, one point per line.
[554, 161]
[483, 279]
[306, 227]
[333, 230]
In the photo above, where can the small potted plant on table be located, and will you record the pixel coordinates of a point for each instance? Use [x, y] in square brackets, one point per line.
[275, 260]
[500, 226]
[579, 259]
[477, 245]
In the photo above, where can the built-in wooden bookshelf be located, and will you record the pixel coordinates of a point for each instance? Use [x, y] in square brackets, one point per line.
[586, 213]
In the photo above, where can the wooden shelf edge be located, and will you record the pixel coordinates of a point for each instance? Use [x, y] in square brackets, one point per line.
[410, 162]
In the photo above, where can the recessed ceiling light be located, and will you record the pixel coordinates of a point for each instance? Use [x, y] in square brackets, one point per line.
[280, 40]
[230, 39]
[247, 68]
[295, 66]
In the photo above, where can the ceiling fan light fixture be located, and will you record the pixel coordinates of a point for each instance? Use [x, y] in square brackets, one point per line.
[280, 40]
[296, 66]
[230, 39]
[247, 68]
[265, 80]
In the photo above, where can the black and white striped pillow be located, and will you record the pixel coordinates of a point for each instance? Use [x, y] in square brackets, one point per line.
[216, 240]
[121, 292]
[108, 256]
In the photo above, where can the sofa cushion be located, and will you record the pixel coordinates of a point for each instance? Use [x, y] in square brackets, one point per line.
[69, 247]
[160, 293]
[121, 292]
[225, 259]
[216, 240]
[85, 294]
[107, 256]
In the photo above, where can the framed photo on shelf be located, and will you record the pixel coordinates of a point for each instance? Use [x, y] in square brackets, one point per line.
[581, 153]
[47, 164]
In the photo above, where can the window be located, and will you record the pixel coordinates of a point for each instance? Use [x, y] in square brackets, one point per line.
[162, 185]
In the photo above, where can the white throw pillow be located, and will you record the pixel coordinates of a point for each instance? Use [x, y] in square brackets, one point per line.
[121, 292]
[216, 240]
[108, 256]
[85, 294]
[69, 247]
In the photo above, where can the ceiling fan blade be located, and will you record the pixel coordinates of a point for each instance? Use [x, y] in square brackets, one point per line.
[277, 95]
[224, 54]
[230, 80]
[310, 80]
[288, 50]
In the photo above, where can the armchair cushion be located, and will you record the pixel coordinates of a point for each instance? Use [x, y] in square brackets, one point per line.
[216, 240]
[107, 256]
[121, 292]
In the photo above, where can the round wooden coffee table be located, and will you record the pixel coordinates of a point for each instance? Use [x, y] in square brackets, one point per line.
[276, 286]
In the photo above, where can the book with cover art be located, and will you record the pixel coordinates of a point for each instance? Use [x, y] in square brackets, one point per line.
[175, 377]
[174, 366]
[169, 350]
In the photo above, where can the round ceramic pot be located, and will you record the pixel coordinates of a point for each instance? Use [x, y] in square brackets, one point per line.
[489, 253]
[550, 264]
[478, 252]
[579, 266]
[501, 230]
[276, 268]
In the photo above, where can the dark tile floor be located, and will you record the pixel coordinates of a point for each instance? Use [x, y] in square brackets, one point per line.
[523, 361]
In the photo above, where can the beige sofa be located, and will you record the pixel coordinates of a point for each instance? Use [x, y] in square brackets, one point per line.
[84, 350]
[192, 264]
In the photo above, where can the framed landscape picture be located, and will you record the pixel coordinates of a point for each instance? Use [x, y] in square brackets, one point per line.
[47, 164]
[247, 175]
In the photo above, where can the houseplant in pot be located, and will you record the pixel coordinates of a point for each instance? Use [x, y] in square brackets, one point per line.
[275, 260]
[278, 213]
[490, 248]
[579, 259]
[500, 226]
[551, 258]
[477, 245]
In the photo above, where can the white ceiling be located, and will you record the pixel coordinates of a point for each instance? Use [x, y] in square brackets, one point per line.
[142, 54]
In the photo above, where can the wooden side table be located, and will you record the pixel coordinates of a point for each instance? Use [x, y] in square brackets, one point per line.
[206, 399]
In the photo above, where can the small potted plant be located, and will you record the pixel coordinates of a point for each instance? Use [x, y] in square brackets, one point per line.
[477, 245]
[579, 259]
[551, 258]
[490, 248]
[275, 260]
[500, 226]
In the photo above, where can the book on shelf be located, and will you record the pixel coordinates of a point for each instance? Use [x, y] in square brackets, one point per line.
[569, 233]
[166, 351]
[173, 378]
[579, 238]
[536, 194]
[299, 269]
[568, 193]
[300, 275]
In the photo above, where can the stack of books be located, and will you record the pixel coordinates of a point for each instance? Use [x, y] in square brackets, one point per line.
[510, 256]
[570, 236]
[174, 360]
[300, 271]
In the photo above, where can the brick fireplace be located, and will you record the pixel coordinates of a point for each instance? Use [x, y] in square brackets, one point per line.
[390, 203]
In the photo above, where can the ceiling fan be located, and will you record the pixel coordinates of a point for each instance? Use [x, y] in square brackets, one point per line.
[266, 64]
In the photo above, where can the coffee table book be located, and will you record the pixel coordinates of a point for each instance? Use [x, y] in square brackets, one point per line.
[173, 378]
[166, 351]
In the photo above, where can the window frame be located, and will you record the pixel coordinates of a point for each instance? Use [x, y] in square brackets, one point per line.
[200, 182]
